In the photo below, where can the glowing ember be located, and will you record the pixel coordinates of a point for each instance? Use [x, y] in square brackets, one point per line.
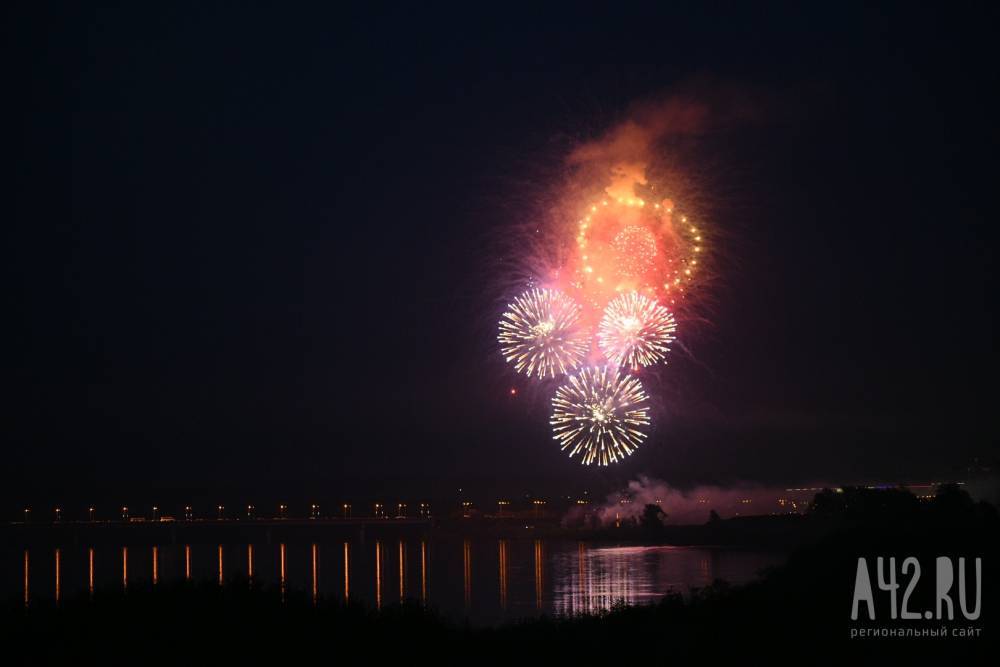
[635, 252]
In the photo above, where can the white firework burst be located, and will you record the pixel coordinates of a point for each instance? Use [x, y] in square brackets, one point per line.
[600, 413]
[635, 331]
[541, 334]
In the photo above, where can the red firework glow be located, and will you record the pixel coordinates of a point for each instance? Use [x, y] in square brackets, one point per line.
[628, 244]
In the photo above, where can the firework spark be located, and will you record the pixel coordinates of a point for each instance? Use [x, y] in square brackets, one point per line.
[599, 413]
[635, 250]
[541, 334]
[630, 245]
[635, 331]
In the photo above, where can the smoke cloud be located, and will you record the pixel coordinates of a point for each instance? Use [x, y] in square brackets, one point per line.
[693, 505]
[620, 159]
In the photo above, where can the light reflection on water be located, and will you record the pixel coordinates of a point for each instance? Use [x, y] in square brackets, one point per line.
[593, 579]
[500, 578]
[347, 571]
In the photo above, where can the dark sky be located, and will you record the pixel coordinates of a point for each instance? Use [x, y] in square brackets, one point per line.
[253, 249]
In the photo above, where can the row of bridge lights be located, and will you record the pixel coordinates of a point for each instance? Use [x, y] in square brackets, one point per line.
[380, 510]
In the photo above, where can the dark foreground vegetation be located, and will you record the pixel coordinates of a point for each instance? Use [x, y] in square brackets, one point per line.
[799, 611]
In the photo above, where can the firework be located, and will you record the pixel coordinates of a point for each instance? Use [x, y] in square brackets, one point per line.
[599, 413]
[627, 244]
[621, 266]
[635, 252]
[541, 334]
[635, 331]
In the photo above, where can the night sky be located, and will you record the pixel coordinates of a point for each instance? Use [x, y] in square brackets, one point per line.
[255, 251]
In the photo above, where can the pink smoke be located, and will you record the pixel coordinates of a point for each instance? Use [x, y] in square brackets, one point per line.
[692, 506]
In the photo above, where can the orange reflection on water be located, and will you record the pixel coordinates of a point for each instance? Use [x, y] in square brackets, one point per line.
[250, 561]
[378, 575]
[402, 571]
[282, 571]
[124, 567]
[423, 570]
[90, 570]
[315, 579]
[347, 571]
[58, 564]
[27, 597]
[220, 565]
[156, 565]
[539, 573]
[187, 561]
[503, 574]
[467, 572]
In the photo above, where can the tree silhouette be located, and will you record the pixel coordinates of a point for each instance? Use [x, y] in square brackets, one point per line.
[652, 519]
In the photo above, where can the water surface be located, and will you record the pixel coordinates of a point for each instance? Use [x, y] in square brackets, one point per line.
[485, 580]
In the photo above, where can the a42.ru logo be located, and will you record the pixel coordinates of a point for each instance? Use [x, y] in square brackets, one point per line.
[967, 586]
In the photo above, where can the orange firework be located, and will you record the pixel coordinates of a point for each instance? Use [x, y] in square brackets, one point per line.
[628, 245]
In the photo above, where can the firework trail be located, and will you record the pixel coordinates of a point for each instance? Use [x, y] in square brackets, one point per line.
[600, 414]
[541, 334]
[635, 331]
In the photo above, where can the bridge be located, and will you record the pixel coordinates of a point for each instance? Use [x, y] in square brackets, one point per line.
[198, 531]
